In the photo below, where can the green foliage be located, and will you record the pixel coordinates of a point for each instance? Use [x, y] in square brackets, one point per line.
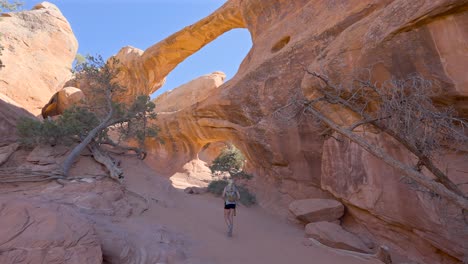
[6, 5]
[231, 159]
[241, 175]
[136, 117]
[73, 124]
[29, 131]
[129, 120]
[79, 59]
[217, 187]
[77, 121]
[247, 198]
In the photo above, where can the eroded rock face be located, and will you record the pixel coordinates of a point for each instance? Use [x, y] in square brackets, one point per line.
[39, 49]
[254, 110]
[32, 232]
[374, 189]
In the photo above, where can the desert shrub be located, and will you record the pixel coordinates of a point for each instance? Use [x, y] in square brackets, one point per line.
[6, 5]
[247, 198]
[217, 187]
[241, 175]
[231, 159]
[72, 125]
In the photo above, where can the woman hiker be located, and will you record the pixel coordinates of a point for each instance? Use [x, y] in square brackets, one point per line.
[230, 195]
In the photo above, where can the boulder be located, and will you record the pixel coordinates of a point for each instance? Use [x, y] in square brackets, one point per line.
[335, 236]
[39, 48]
[34, 232]
[316, 210]
[62, 100]
[195, 190]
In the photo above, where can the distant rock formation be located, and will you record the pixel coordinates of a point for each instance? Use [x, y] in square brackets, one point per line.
[187, 94]
[39, 50]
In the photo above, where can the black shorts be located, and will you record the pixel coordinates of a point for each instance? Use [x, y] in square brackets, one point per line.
[229, 206]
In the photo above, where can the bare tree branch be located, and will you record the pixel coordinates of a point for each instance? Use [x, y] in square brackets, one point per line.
[407, 141]
[403, 168]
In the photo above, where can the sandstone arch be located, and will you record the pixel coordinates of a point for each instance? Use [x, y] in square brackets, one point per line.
[143, 72]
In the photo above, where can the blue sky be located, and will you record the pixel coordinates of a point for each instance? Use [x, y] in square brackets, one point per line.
[104, 26]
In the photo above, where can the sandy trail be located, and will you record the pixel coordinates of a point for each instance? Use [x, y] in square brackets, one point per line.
[258, 237]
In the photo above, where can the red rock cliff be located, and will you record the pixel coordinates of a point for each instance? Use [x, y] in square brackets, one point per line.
[291, 160]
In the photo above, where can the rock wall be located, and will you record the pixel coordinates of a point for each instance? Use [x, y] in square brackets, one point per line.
[386, 38]
[39, 49]
[34, 232]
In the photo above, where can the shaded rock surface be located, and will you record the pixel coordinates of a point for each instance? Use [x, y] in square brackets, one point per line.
[39, 49]
[377, 191]
[335, 236]
[317, 210]
[7, 151]
[10, 114]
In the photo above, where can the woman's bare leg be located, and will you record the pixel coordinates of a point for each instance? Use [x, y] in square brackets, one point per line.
[226, 217]
[231, 219]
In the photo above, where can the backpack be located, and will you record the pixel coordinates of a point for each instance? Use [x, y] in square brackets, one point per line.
[231, 194]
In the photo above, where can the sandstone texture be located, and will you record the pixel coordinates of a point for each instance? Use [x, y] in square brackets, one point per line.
[7, 151]
[317, 210]
[376, 190]
[187, 94]
[257, 109]
[85, 219]
[39, 49]
[335, 236]
[33, 232]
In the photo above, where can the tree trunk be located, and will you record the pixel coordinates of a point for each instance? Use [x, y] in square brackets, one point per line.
[71, 158]
[114, 171]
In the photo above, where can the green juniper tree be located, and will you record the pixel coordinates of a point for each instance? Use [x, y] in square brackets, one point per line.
[231, 160]
[93, 122]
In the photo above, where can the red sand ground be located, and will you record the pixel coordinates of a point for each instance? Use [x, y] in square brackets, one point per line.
[258, 236]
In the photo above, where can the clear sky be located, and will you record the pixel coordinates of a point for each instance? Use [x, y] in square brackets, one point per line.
[104, 26]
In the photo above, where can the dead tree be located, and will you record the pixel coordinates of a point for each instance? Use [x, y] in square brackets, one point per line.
[403, 110]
